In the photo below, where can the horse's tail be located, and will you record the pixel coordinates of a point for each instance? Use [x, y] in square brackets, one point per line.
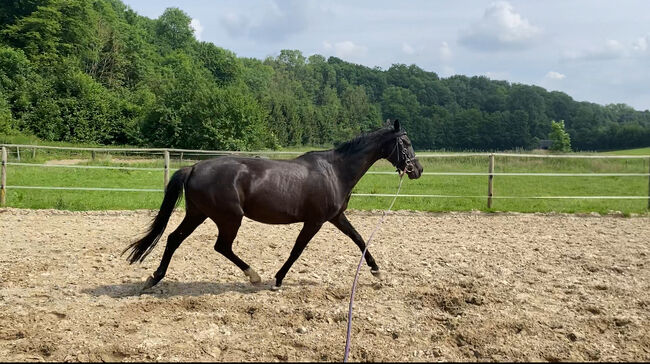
[141, 248]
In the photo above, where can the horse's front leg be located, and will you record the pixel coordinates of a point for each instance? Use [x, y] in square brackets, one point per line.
[343, 224]
[308, 231]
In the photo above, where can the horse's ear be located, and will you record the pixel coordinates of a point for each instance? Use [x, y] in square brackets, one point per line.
[396, 125]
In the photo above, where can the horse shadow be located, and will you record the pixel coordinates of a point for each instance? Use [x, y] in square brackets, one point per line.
[168, 289]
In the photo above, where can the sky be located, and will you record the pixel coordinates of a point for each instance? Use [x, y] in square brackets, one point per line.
[593, 50]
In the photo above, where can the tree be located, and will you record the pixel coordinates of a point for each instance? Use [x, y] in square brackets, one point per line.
[223, 64]
[6, 120]
[559, 137]
[191, 111]
[173, 29]
[16, 9]
[360, 114]
[36, 34]
[16, 78]
[96, 71]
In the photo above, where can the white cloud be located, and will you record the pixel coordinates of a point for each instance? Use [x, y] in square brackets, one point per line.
[497, 75]
[406, 48]
[612, 49]
[445, 52]
[274, 21]
[500, 28]
[235, 24]
[198, 28]
[413, 50]
[555, 75]
[447, 71]
[641, 44]
[346, 49]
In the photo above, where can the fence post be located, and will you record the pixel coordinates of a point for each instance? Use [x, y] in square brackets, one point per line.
[34, 153]
[18, 154]
[92, 155]
[166, 177]
[3, 178]
[490, 177]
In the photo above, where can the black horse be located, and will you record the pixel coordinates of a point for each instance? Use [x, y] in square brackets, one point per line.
[312, 188]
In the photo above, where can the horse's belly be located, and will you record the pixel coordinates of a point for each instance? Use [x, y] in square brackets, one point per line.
[266, 218]
[287, 209]
[271, 215]
[276, 210]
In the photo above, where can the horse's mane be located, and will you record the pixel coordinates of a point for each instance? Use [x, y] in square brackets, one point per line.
[359, 142]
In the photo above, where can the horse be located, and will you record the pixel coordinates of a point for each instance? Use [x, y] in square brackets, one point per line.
[313, 188]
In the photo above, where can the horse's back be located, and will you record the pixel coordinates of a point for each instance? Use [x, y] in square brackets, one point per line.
[266, 190]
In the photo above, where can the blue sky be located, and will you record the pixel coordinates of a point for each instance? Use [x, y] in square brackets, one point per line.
[597, 51]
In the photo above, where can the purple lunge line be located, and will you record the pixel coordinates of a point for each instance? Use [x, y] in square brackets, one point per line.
[356, 277]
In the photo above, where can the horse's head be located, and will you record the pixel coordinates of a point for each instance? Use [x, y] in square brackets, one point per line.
[398, 150]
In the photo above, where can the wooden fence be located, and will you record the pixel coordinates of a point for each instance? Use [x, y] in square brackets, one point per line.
[18, 149]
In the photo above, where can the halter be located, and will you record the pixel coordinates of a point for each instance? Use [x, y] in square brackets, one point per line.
[408, 164]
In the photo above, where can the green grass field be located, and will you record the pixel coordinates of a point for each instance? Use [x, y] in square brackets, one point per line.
[504, 186]
[638, 151]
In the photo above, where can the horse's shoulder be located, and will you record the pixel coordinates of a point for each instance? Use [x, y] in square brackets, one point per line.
[317, 163]
[316, 157]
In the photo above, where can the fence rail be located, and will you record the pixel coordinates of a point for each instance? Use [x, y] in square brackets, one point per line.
[369, 172]
[146, 150]
[354, 194]
[166, 170]
[281, 152]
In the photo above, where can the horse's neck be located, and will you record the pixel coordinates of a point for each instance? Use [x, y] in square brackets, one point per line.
[353, 166]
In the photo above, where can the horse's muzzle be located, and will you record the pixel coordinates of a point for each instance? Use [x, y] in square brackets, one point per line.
[413, 169]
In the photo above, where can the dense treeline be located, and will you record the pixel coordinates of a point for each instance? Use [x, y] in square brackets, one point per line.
[95, 71]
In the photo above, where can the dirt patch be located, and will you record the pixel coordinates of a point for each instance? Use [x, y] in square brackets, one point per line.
[113, 160]
[459, 287]
[65, 162]
[136, 160]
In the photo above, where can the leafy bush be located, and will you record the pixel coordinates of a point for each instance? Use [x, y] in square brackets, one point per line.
[561, 142]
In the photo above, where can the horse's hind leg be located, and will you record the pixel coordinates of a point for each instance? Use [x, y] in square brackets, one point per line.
[227, 232]
[343, 224]
[191, 221]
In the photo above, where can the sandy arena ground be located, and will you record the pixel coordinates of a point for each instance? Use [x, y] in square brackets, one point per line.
[458, 286]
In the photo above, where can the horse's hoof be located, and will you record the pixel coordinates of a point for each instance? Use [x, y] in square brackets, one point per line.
[377, 273]
[151, 281]
[254, 278]
[275, 288]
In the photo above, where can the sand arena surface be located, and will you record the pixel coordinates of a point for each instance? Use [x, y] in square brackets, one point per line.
[458, 286]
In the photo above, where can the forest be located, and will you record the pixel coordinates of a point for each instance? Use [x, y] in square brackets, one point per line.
[94, 71]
